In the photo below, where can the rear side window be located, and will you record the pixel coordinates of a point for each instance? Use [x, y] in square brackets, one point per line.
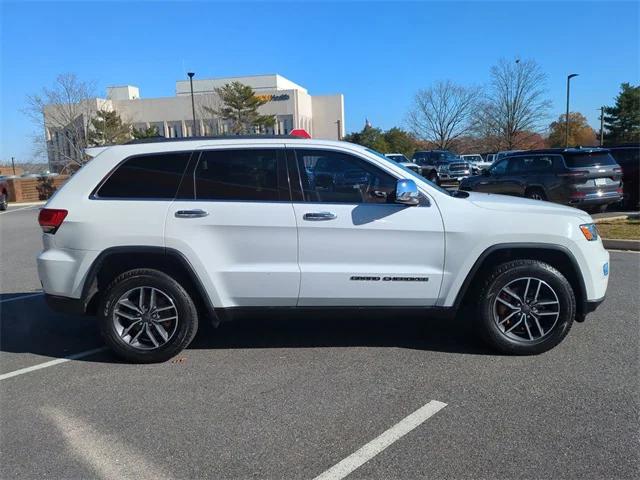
[534, 164]
[155, 176]
[241, 175]
[581, 160]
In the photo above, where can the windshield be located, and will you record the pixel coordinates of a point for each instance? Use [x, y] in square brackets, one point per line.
[411, 173]
[588, 159]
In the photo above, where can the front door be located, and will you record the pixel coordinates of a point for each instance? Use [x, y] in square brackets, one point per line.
[356, 246]
[234, 221]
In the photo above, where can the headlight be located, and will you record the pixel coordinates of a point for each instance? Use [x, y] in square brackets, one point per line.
[590, 231]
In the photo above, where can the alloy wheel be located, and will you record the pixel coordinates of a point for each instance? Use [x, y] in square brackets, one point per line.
[145, 318]
[526, 309]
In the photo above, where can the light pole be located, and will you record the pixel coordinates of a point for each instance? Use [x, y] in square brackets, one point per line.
[566, 119]
[193, 104]
[601, 126]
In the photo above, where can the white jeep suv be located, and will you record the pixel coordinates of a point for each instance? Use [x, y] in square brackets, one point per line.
[155, 236]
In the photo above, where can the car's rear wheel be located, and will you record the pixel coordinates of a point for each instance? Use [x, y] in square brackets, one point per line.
[146, 316]
[535, 194]
[3, 201]
[526, 307]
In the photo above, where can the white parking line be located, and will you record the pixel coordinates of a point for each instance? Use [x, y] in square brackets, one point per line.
[378, 444]
[18, 209]
[13, 299]
[51, 363]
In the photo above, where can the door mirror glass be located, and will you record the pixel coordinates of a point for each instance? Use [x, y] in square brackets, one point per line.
[407, 192]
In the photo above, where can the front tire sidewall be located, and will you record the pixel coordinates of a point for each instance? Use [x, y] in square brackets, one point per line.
[187, 316]
[491, 332]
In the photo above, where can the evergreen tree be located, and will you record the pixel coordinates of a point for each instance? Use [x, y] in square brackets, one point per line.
[150, 132]
[240, 107]
[108, 129]
[622, 121]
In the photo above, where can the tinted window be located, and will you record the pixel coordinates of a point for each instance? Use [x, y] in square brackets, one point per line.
[594, 159]
[499, 168]
[247, 175]
[537, 164]
[337, 177]
[626, 156]
[146, 176]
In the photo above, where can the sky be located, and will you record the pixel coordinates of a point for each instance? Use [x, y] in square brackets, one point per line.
[378, 54]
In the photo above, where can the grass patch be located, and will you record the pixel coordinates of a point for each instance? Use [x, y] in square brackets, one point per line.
[621, 229]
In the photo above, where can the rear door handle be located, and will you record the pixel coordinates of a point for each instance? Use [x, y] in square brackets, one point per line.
[191, 213]
[319, 216]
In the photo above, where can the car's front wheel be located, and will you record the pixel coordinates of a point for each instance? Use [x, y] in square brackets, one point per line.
[3, 201]
[526, 307]
[146, 316]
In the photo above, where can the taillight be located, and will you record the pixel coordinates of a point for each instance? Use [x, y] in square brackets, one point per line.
[577, 195]
[617, 170]
[578, 173]
[620, 190]
[50, 219]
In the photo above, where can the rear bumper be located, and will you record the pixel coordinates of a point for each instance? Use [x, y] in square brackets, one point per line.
[597, 198]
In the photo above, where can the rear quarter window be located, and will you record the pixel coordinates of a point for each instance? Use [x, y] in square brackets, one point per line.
[153, 176]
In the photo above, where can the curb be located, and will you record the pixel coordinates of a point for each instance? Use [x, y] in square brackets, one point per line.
[619, 244]
[607, 219]
[26, 204]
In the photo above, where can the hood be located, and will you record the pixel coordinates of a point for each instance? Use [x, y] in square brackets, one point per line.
[493, 201]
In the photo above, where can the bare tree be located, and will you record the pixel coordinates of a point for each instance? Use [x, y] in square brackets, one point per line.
[442, 113]
[515, 107]
[64, 111]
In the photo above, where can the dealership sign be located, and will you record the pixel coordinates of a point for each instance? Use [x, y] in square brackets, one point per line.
[274, 98]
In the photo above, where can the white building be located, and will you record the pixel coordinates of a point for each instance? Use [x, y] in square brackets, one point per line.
[291, 104]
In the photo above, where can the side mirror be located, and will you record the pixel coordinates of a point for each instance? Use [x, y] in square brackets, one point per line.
[407, 192]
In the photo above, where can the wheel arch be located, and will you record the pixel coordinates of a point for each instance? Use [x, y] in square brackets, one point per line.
[116, 260]
[557, 256]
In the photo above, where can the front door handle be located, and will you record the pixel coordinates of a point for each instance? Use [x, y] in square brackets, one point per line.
[319, 216]
[191, 213]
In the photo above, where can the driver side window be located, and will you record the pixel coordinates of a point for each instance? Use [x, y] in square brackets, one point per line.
[336, 177]
[499, 168]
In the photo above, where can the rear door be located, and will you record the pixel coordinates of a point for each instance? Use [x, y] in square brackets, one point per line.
[234, 221]
[356, 246]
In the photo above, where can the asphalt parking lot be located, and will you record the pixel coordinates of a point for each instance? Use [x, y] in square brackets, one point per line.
[293, 398]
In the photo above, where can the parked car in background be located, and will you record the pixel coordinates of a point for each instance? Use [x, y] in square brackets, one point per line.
[628, 157]
[404, 161]
[454, 172]
[4, 193]
[489, 157]
[585, 178]
[477, 162]
[430, 160]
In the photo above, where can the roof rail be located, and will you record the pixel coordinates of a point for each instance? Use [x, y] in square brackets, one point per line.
[161, 139]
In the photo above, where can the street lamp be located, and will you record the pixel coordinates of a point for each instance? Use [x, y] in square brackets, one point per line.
[566, 119]
[193, 105]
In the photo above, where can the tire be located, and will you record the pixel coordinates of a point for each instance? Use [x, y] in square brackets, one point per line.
[3, 201]
[535, 194]
[171, 300]
[525, 338]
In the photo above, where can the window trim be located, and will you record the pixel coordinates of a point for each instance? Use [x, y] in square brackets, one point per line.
[94, 193]
[293, 148]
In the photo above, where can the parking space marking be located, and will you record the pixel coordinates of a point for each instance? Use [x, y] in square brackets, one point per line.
[381, 442]
[51, 363]
[13, 299]
[108, 455]
[19, 209]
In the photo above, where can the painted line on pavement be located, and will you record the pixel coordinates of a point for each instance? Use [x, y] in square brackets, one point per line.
[51, 363]
[13, 299]
[18, 209]
[378, 444]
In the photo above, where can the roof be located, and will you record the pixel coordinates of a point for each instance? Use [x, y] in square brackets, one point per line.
[572, 150]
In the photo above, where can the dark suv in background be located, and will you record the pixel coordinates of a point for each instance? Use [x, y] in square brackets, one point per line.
[431, 160]
[628, 157]
[585, 178]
